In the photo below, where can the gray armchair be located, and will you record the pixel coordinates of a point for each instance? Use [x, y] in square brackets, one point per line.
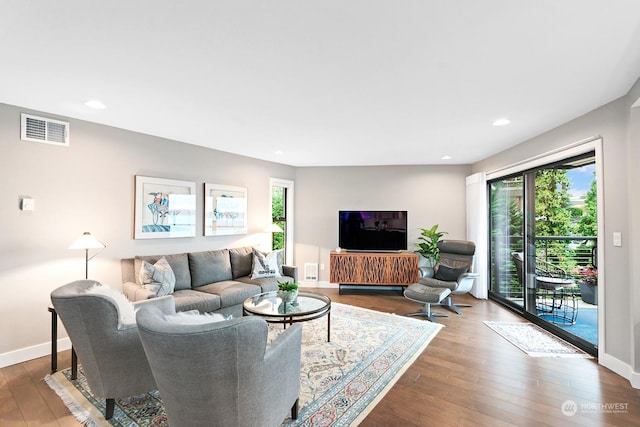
[222, 373]
[453, 271]
[111, 354]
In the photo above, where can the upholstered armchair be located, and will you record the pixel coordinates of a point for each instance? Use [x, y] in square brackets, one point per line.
[452, 271]
[222, 373]
[102, 329]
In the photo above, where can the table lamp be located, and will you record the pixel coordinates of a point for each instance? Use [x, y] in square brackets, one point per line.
[86, 242]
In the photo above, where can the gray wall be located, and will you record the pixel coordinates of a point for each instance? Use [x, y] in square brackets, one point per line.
[89, 186]
[620, 155]
[430, 194]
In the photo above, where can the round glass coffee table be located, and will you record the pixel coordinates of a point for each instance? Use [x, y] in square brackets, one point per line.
[307, 306]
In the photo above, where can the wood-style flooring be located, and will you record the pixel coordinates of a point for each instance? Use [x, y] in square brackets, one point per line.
[467, 376]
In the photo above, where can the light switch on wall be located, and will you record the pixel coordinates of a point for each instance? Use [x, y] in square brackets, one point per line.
[27, 204]
[617, 238]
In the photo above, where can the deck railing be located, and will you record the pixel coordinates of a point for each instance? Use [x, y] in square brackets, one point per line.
[570, 253]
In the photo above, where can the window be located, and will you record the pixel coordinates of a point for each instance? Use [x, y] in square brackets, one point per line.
[282, 215]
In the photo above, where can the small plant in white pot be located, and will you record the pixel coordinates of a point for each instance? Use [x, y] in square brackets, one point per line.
[428, 244]
[287, 291]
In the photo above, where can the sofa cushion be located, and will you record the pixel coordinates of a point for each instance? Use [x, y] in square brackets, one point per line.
[230, 291]
[158, 277]
[265, 265]
[188, 299]
[267, 284]
[179, 264]
[209, 266]
[241, 261]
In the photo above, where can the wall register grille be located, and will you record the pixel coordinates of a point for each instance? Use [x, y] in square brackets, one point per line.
[310, 272]
[41, 129]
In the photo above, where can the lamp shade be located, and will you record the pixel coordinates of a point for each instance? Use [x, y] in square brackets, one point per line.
[86, 241]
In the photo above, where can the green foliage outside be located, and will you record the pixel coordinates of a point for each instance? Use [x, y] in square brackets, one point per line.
[554, 217]
[588, 224]
[277, 213]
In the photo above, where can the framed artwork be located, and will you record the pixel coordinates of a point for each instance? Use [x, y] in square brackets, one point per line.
[164, 208]
[225, 210]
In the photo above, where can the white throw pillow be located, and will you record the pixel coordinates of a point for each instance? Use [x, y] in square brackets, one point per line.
[158, 278]
[194, 317]
[126, 310]
[265, 265]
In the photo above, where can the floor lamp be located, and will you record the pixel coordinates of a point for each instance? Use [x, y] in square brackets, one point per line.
[86, 242]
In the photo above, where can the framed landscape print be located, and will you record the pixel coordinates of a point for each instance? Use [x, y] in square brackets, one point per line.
[164, 208]
[225, 210]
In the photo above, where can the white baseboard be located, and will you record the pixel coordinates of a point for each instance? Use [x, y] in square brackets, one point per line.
[319, 284]
[620, 368]
[33, 352]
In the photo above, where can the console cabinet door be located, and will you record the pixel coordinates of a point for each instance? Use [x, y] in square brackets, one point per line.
[373, 268]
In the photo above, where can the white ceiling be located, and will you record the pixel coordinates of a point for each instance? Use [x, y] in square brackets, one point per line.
[326, 82]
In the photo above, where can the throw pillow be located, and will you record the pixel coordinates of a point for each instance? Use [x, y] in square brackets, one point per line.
[126, 310]
[449, 274]
[194, 317]
[265, 265]
[158, 278]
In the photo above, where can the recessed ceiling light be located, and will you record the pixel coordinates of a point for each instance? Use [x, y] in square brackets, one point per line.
[501, 122]
[95, 104]
[446, 158]
[279, 153]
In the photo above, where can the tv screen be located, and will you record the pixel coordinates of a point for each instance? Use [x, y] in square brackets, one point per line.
[372, 230]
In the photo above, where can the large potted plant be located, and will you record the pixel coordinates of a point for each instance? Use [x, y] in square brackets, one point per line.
[589, 285]
[428, 244]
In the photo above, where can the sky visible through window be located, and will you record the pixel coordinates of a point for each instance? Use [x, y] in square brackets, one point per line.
[581, 180]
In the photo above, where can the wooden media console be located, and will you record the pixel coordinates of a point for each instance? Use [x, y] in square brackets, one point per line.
[373, 268]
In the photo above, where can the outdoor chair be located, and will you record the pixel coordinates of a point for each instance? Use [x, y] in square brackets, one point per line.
[555, 298]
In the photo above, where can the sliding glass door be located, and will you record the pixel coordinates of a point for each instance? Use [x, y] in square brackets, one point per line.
[543, 240]
[506, 238]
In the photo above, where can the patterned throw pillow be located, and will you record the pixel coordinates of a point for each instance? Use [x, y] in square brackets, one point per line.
[158, 278]
[265, 265]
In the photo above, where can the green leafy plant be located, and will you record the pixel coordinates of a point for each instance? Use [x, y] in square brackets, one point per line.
[287, 286]
[428, 243]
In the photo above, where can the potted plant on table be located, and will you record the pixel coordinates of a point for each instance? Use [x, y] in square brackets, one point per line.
[428, 244]
[287, 291]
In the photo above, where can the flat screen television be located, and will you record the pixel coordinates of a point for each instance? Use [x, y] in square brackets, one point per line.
[372, 231]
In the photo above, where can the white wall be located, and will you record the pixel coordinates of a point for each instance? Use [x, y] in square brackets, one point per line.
[430, 194]
[89, 186]
[620, 155]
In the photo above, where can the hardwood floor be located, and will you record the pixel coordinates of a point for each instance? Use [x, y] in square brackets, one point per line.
[467, 376]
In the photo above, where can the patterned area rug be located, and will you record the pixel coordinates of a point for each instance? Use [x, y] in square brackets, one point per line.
[534, 340]
[341, 381]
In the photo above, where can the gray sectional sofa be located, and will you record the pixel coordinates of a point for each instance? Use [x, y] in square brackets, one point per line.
[209, 281]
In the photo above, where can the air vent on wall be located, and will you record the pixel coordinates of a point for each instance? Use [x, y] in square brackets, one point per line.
[311, 272]
[41, 129]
